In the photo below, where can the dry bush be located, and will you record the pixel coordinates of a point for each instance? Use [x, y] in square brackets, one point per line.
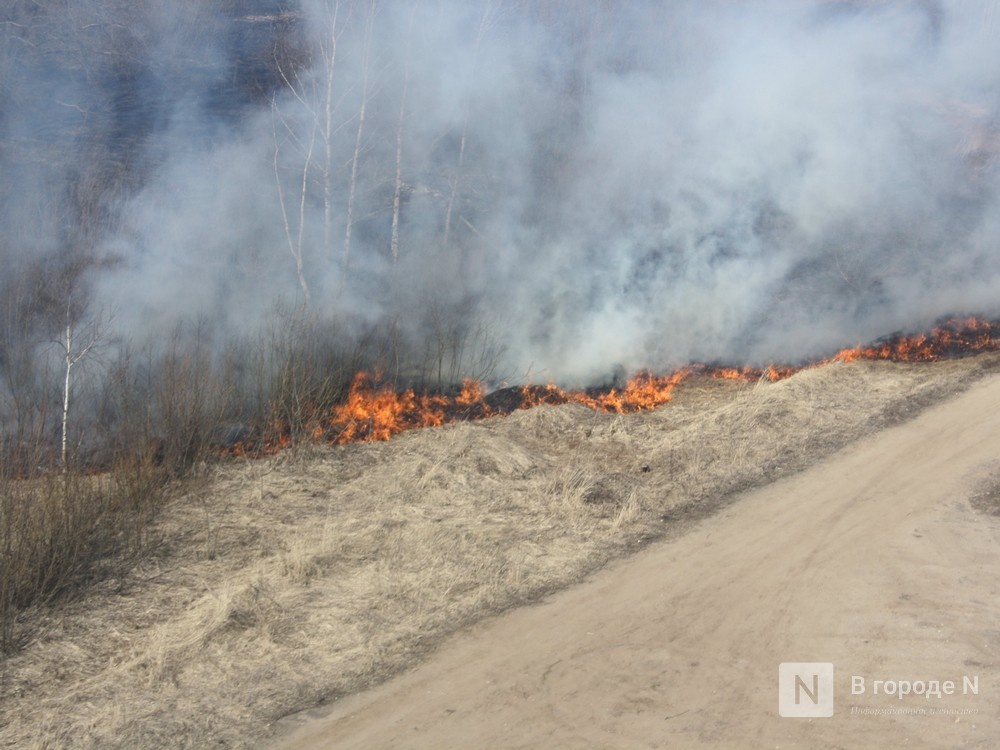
[58, 532]
[455, 344]
[304, 366]
[159, 414]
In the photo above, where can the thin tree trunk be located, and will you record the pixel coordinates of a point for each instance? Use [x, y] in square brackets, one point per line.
[295, 244]
[331, 62]
[68, 343]
[352, 187]
[454, 182]
[302, 214]
[70, 358]
[397, 192]
[488, 11]
[321, 107]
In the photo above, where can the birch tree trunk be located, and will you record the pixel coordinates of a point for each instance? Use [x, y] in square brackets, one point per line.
[330, 56]
[316, 100]
[68, 344]
[489, 12]
[71, 357]
[353, 185]
[398, 188]
[295, 237]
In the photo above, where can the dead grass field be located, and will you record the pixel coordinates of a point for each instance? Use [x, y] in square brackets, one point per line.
[285, 583]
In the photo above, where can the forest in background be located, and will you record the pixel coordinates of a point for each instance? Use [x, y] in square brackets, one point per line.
[215, 214]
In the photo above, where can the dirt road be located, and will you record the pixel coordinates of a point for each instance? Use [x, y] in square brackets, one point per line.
[873, 561]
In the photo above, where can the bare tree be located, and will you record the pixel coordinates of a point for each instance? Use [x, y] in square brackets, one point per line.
[353, 185]
[294, 237]
[25, 405]
[328, 51]
[490, 10]
[77, 342]
[398, 187]
[315, 95]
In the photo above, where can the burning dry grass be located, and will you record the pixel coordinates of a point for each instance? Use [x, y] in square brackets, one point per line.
[286, 582]
[375, 410]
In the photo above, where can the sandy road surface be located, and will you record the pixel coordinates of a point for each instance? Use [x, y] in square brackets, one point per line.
[873, 560]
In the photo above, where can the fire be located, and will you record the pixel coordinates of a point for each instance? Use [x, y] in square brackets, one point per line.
[644, 391]
[771, 373]
[472, 393]
[731, 373]
[954, 338]
[373, 410]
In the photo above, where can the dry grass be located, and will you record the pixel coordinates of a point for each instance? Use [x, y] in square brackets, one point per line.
[59, 531]
[285, 583]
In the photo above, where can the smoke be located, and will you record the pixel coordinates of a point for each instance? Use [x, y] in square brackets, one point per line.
[582, 187]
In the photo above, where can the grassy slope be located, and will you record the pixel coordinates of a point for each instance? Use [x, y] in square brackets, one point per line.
[283, 583]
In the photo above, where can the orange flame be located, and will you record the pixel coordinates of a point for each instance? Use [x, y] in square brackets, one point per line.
[472, 393]
[373, 410]
[953, 338]
[771, 373]
[644, 391]
[376, 412]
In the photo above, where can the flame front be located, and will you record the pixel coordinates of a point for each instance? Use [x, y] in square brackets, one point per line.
[644, 391]
[373, 410]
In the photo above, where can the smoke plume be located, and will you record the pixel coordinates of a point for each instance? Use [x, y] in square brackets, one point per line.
[567, 188]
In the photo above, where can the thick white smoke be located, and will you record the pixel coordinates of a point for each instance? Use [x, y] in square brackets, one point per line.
[584, 185]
